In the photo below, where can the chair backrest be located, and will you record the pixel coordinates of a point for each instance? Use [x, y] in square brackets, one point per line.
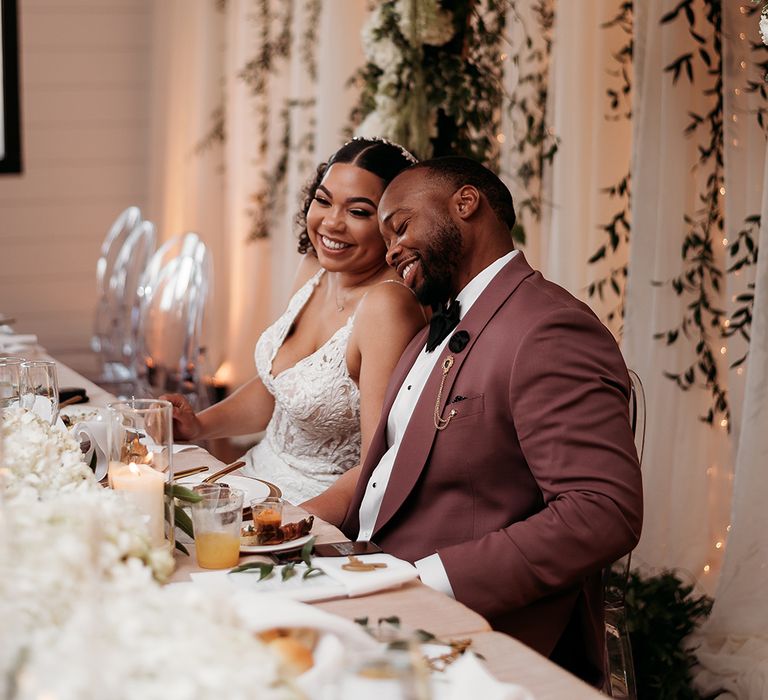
[637, 412]
[124, 253]
[173, 294]
[130, 266]
[616, 577]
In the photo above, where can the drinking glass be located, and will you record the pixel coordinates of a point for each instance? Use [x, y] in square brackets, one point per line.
[267, 517]
[10, 381]
[394, 674]
[40, 389]
[216, 519]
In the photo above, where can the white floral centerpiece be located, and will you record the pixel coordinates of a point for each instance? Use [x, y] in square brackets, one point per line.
[139, 642]
[82, 613]
[40, 460]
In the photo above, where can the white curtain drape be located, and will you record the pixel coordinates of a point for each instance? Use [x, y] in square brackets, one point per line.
[594, 152]
[734, 641]
[733, 651]
[686, 468]
[199, 54]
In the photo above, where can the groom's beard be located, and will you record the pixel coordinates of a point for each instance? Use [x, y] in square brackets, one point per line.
[439, 264]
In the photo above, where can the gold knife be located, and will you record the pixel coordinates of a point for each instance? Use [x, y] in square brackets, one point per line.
[182, 473]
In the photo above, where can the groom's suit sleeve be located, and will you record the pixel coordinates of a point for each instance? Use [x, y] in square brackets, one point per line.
[568, 397]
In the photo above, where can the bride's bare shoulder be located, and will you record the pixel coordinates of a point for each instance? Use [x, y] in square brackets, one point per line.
[388, 302]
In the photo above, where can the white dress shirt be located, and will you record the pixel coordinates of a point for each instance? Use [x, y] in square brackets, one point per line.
[431, 570]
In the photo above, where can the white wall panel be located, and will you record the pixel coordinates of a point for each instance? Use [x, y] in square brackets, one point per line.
[85, 77]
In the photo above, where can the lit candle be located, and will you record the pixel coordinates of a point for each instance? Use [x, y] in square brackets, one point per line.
[145, 488]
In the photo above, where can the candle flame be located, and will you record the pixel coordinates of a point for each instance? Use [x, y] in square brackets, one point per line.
[134, 468]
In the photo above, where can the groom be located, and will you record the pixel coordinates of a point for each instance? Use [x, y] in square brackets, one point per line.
[504, 465]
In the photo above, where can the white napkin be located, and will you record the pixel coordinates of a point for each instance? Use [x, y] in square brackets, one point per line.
[337, 583]
[468, 678]
[95, 431]
[17, 340]
[357, 583]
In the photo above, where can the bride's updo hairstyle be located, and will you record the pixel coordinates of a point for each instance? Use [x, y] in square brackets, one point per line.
[376, 155]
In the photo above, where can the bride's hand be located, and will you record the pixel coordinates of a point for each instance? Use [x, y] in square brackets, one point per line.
[186, 425]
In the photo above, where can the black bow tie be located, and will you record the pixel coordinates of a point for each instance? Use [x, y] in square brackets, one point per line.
[443, 321]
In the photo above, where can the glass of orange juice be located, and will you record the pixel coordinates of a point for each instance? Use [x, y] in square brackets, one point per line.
[216, 519]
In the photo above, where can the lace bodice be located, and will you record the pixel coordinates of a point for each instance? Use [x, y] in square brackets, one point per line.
[314, 434]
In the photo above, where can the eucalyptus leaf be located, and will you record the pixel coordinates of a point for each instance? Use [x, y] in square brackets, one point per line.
[183, 521]
[265, 570]
[289, 571]
[185, 494]
[306, 552]
[311, 572]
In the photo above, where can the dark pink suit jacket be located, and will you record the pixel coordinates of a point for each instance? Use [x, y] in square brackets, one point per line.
[534, 486]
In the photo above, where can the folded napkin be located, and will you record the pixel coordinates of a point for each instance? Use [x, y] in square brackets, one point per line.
[468, 678]
[95, 431]
[396, 573]
[337, 583]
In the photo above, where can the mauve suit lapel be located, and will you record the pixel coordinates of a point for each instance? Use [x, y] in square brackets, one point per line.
[421, 432]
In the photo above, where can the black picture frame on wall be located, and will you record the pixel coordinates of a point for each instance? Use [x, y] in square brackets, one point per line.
[10, 117]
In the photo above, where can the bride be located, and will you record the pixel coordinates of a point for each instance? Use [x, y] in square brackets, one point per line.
[323, 366]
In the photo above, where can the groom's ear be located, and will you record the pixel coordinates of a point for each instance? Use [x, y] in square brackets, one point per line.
[465, 201]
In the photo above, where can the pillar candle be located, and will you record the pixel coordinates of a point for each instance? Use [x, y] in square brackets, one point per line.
[145, 488]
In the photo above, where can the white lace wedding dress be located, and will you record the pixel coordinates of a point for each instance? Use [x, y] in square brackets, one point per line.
[314, 434]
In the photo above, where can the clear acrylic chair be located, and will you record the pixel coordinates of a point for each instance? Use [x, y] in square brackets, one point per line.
[173, 295]
[124, 255]
[619, 665]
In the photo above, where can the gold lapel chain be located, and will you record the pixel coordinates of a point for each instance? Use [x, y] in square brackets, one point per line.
[442, 423]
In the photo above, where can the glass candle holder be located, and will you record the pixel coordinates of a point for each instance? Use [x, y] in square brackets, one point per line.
[140, 457]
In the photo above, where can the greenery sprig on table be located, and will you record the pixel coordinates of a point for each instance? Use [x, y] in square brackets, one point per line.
[288, 571]
[180, 518]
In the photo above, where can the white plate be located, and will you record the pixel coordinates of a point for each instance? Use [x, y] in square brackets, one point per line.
[282, 547]
[79, 413]
[253, 487]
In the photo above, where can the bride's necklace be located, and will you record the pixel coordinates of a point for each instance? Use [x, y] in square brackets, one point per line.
[340, 301]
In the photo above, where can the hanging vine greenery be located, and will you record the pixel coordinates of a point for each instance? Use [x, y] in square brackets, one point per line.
[275, 42]
[533, 140]
[745, 244]
[617, 230]
[701, 279]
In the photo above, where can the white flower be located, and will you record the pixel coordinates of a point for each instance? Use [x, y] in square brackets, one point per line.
[384, 54]
[424, 22]
[40, 459]
[764, 25]
[139, 642]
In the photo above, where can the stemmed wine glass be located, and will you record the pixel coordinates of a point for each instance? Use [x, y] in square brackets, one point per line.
[40, 389]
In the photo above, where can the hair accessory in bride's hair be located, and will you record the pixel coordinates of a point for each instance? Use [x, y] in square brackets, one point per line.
[380, 139]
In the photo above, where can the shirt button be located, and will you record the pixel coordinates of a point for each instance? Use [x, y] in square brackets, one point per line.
[373, 485]
[409, 387]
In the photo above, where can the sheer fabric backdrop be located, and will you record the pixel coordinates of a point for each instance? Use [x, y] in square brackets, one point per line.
[687, 466]
[199, 53]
